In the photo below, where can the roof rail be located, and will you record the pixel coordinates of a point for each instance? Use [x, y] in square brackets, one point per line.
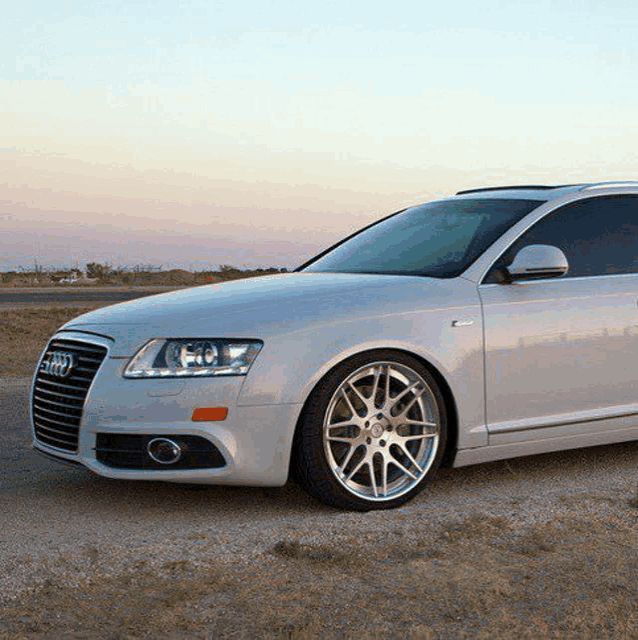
[614, 183]
[540, 187]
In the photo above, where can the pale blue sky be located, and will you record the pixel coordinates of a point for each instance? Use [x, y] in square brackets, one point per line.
[296, 121]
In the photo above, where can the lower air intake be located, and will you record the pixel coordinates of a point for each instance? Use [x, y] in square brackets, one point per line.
[130, 451]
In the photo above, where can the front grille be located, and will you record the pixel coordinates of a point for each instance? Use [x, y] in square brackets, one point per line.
[129, 451]
[58, 399]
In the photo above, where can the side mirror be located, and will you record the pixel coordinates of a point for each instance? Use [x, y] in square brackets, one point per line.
[538, 261]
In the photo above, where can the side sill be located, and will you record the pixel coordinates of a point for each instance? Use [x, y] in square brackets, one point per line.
[491, 453]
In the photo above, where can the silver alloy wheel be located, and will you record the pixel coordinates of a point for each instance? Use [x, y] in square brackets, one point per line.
[381, 431]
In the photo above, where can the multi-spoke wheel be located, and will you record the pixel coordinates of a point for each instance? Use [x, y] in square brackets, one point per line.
[373, 430]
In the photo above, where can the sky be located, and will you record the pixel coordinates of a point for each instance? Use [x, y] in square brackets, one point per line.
[252, 133]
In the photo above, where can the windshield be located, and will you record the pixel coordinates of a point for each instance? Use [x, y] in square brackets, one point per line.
[439, 239]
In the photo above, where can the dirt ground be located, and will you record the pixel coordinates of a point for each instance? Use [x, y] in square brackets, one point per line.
[532, 548]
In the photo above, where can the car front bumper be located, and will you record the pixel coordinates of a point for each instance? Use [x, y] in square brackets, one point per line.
[254, 442]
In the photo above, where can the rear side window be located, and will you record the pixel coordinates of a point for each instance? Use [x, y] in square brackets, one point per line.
[599, 236]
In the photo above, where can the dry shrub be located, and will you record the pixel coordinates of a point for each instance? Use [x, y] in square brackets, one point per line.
[316, 553]
[476, 525]
[534, 542]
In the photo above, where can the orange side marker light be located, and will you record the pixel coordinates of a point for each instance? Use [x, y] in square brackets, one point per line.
[210, 414]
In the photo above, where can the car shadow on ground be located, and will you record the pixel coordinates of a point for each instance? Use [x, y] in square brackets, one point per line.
[44, 479]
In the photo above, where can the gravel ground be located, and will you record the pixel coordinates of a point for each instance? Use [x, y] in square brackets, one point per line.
[67, 524]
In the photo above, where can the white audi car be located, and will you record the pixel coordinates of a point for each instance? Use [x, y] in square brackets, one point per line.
[499, 322]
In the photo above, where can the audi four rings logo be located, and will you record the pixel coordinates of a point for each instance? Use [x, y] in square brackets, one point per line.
[59, 364]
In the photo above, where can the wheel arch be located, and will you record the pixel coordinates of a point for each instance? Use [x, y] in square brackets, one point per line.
[446, 391]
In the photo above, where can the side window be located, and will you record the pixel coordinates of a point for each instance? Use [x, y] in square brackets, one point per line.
[599, 236]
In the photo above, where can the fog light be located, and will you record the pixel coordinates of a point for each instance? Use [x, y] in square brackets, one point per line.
[164, 451]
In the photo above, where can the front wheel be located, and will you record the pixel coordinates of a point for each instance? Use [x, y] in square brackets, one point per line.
[373, 430]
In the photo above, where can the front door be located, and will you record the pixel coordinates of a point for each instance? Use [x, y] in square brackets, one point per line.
[561, 354]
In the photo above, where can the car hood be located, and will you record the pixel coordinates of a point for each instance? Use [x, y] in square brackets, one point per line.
[261, 307]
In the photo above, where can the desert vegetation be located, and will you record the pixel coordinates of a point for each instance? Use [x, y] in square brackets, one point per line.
[104, 274]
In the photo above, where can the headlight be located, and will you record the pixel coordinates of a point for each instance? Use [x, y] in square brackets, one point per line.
[186, 357]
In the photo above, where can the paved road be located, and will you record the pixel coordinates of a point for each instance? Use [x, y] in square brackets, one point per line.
[67, 296]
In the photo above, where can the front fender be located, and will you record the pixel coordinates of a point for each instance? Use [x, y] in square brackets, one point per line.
[290, 366]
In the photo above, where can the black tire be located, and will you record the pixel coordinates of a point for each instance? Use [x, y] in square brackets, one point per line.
[372, 432]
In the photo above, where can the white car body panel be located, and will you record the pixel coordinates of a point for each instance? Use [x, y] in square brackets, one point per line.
[558, 351]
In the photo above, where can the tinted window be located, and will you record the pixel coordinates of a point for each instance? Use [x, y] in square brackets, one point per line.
[438, 239]
[598, 236]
